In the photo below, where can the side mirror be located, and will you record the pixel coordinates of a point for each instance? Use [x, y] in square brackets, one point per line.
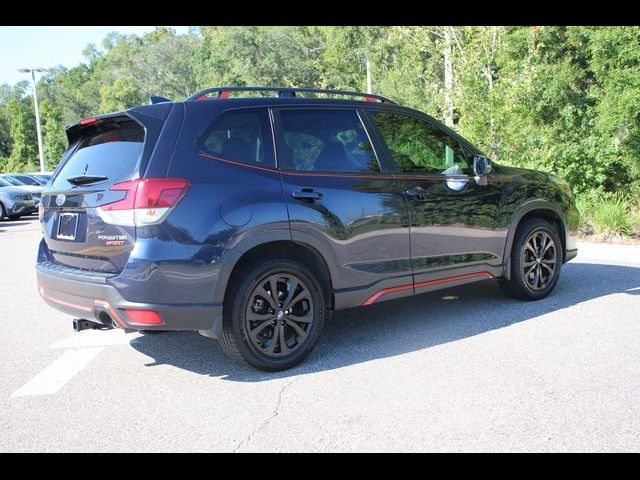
[481, 168]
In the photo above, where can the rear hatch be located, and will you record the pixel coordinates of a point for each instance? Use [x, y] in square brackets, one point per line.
[78, 230]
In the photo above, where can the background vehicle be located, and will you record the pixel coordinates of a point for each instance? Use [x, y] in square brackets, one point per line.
[248, 219]
[41, 177]
[33, 187]
[25, 179]
[14, 202]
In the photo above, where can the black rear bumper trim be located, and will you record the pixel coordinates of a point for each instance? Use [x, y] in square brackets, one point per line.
[83, 299]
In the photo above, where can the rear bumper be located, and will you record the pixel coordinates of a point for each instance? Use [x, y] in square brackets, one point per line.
[89, 298]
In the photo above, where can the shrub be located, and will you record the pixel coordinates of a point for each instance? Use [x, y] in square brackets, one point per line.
[612, 217]
[608, 215]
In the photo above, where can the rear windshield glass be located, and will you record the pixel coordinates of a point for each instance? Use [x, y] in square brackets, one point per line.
[111, 150]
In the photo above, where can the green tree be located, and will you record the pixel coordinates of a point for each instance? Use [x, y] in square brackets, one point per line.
[54, 138]
[22, 128]
[122, 94]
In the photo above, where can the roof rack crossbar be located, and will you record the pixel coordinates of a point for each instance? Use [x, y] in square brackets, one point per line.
[223, 92]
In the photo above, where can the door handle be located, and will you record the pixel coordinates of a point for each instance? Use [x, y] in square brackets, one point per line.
[307, 195]
[418, 193]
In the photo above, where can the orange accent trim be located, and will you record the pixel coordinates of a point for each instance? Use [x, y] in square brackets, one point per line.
[384, 291]
[61, 302]
[239, 164]
[452, 279]
[101, 303]
[114, 314]
[428, 283]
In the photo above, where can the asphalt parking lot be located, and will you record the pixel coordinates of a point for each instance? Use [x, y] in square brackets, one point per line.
[473, 371]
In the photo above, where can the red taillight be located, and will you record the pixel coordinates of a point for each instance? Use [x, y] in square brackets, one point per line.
[149, 193]
[90, 121]
[143, 317]
[147, 201]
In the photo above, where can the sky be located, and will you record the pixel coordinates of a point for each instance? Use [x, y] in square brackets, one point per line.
[35, 47]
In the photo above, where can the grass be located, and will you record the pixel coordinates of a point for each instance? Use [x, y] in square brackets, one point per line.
[609, 217]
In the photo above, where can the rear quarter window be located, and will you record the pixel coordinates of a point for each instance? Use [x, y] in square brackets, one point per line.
[240, 135]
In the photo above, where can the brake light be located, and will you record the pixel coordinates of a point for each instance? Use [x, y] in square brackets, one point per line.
[90, 121]
[147, 201]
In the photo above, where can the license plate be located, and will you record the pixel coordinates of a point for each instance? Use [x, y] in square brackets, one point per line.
[67, 226]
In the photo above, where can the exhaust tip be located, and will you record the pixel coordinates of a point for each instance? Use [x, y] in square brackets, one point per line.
[105, 318]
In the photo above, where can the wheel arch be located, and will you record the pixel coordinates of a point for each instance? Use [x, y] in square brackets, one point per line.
[534, 209]
[277, 242]
[301, 252]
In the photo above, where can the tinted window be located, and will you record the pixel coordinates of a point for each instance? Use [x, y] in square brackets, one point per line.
[419, 147]
[43, 178]
[27, 180]
[240, 135]
[13, 181]
[111, 149]
[326, 141]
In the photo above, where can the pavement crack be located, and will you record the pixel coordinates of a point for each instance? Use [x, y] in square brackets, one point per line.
[268, 419]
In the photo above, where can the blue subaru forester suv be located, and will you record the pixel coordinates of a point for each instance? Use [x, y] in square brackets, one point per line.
[250, 217]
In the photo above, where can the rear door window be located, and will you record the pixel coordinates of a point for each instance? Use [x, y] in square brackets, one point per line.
[323, 140]
[111, 149]
[240, 135]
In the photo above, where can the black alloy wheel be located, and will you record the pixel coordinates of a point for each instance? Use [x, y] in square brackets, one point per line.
[273, 314]
[279, 314]
[539, 260]
[536, 261]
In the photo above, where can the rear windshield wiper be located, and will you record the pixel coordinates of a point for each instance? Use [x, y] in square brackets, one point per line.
[86, 179]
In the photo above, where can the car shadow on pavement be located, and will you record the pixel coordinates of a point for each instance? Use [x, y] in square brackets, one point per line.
[399, 326]
[12, 223]
[28, 220]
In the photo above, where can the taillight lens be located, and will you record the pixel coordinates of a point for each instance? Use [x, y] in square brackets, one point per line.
[148, 201]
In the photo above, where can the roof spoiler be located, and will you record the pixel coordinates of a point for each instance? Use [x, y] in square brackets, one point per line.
[76, 130]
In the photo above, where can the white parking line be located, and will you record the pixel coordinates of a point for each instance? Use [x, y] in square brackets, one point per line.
[56, 375]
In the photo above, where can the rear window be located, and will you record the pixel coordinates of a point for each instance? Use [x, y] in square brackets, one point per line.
[111, 149]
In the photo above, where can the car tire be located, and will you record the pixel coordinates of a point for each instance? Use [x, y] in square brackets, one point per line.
[273, 332]
[536, 261]
[3, 212]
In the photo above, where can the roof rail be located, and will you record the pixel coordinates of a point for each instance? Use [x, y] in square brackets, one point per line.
[223, 92]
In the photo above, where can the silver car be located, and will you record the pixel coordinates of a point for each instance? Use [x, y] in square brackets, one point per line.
[15, 202]
[24, 182]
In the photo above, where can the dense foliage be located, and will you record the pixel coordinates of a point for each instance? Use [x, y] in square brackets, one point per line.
[561, 99]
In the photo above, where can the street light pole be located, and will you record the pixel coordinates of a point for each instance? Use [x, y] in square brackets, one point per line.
[35, 101]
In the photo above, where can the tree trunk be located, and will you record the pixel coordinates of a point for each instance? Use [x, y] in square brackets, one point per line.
[448, 78]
